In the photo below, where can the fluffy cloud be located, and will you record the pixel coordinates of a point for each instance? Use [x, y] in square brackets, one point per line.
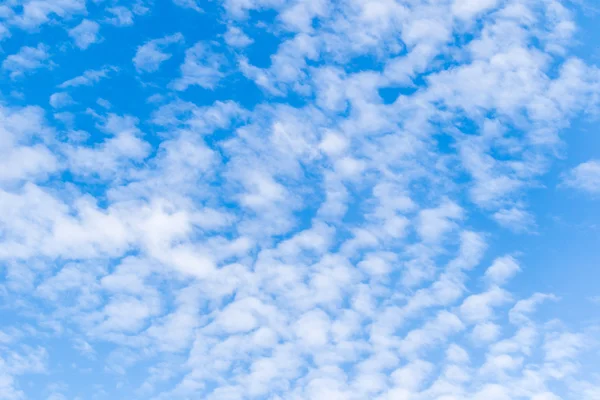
[122, 16]
[584, 177]
[60, 99]
[26, 60]
[502, 269]
[235, 37]
[202, 67]
[150, 55]
[85, 34]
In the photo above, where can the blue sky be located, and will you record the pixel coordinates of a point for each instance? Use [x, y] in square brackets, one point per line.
[290, 200]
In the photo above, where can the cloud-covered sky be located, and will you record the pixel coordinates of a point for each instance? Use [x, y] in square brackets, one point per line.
[299, 200]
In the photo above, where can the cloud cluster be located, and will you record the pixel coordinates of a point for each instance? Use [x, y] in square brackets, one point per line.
[309, 238]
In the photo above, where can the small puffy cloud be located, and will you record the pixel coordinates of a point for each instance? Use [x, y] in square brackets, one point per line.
[433, 223]
[235, 37]
[27, 59]
[85, 34]
[66, 118]
[480, 307]
[60, 99]
[262, 191]
[457, 354]
[333, 144]
[202, 66]
[501, 270]
[485, 332]
[312, 329]
[584, 177]
[436, 330]
[413, 375]
[122, 16]
[150, 55]
[84, 348]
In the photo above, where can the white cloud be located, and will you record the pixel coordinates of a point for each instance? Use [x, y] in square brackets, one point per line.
[85, 34]
[288, 66]
[149, 56]
[479, 307]
[60, 99]
[27, 162]
[584, 177]
[515, 219]
[202, 66]
[468, 8]
[239, 8]
[235, 37]
[24, 145]
[313, 329]
[114, 154]
[559, 347]
[103, 103]
[122, 16]
[88, 78]
[437, 330]
[501, 270]
[519, 313]
[35, 13]
[26, 60]
[485, 332]
[319, 244]
[435, 222]
[4, 32]
[193, 4]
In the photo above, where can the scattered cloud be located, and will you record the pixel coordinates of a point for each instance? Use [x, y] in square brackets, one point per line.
[585, 177]
[192, 4]
[60, 100]
[122, 16]
[150, 55]
[88, 78]
[85, 34]
[33, 14]
[27, 60]
[202, 66]
[312, 204]
[235, 37]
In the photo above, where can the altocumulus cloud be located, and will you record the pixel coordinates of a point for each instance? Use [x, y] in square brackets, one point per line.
[303, 200]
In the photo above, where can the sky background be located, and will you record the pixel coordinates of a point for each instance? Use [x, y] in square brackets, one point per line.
[293, 200]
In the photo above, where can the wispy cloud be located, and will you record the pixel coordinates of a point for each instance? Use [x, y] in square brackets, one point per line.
[89, 77]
